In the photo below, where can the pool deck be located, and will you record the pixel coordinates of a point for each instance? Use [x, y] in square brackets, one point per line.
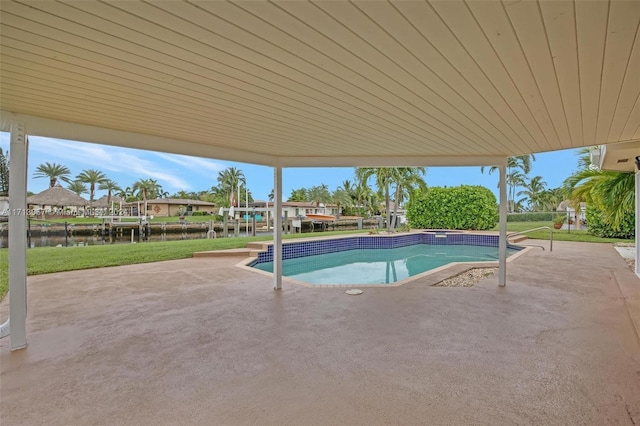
[201, 341]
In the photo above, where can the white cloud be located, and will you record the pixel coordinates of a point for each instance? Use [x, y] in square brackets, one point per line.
[203, 166]
[134, 163]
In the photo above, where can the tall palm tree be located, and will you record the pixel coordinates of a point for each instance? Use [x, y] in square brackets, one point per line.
[407, 180]
[518, 168]
[551, 198]
[341, 198]
[126, 194]
[145, 189]
[515, 178]
[533, 191]
[385, 177]
[230, 180]
[364, 196]
[319, 194]
[77, 187]
[299, 194]
[349, 188]
[91, 177]
[110, 186]
[53, 171]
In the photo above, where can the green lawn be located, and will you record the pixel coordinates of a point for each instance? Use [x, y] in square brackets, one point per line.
[558, 235]
[43, 260]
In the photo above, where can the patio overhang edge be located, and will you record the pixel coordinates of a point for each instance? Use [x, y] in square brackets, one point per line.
[395, 161]
[51, 128]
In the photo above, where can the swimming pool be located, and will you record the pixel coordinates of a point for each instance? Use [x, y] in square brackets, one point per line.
[379, 259]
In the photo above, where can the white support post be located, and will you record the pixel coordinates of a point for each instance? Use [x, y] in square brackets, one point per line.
[637, 222]
[502, 242]
[18, 236]
[277, 228]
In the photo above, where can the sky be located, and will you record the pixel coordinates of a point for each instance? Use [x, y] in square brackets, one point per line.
[179, 172]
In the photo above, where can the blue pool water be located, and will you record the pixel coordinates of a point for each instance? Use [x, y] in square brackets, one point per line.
[380, 266]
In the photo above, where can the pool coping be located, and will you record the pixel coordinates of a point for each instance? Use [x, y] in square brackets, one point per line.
[244, 264]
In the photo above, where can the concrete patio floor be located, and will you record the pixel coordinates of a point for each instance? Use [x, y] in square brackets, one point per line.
[200, 341]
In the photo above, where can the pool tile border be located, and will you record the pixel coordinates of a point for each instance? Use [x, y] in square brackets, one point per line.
[295, 249]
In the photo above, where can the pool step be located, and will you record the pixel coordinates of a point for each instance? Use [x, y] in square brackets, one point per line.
[239, 252]
[257, 245]
[518, 239]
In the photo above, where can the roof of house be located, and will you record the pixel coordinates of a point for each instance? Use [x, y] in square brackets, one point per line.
[102, 201]
[57, 196]
[180, 201]
[305, 204]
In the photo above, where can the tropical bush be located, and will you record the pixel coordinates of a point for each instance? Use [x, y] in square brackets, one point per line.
[600, 227]
[460, 207]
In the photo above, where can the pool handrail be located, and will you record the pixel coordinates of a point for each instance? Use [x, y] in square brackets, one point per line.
[513, 234]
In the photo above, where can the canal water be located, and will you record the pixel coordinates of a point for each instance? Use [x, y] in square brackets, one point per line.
[43, 235]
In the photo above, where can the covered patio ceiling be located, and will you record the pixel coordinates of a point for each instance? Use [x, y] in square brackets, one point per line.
[326, 83]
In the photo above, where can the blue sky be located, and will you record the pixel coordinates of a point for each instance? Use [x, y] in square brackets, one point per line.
[178, 172]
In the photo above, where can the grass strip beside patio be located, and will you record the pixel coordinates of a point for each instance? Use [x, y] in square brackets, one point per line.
[44, 260]
[558, 234]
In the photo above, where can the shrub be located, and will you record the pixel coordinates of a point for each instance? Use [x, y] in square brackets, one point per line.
[531, 217]
[460, 207]
[600, 228]
[199, 213]
[355, 211]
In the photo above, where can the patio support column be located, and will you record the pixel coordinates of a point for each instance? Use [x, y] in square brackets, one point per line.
[277, 228]
[637, 223]
[502, 241]
[18, 236]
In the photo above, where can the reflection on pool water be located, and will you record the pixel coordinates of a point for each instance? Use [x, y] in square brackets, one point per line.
[380, 265]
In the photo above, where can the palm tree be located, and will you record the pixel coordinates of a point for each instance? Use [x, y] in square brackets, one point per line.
[341, 198]
[364, 196]
[319, 194]
[404, 178]
[126, 194]
[77, 187]
[110, 186]
[92, 177]
[217, 196]
[348, 188]
[53, 171]
[517, 170]
[383, 178]
[299, 194]
[612, 192]
[551, 198]
[534, 190]
[145, 188]
[514, 179]
[230, 180]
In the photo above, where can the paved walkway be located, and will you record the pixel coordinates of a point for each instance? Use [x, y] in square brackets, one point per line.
[199, 341]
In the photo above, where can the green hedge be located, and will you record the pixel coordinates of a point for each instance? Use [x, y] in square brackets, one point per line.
[531, 217]
[600, 228]
[460, 207]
